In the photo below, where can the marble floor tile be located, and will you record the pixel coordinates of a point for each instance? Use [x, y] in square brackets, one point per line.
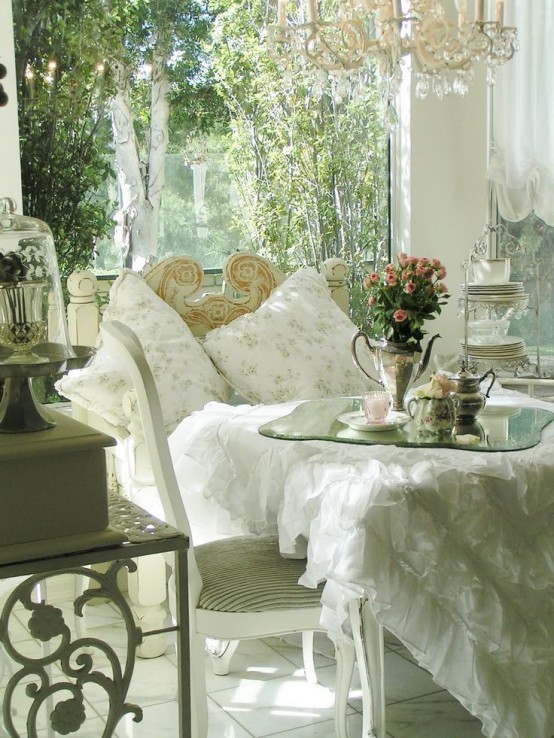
[254, 660]
[436, 715]
[290, 647]
[154, 682]
[391, 641]
[405, 653]
[222, 725]
[277, 705]
[161, 721]
[404, 680]
[90, 729]
[266, 693]
[323, 730]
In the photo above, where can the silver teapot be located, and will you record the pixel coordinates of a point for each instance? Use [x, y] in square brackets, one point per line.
[468, 398]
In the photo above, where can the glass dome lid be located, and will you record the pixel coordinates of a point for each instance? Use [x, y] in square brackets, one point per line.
[34, 337]
[33, 325]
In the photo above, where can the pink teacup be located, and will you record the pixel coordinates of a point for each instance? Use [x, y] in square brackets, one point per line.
[376, 405]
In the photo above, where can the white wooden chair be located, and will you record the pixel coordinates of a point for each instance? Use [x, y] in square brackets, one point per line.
[247, 281]
[239, 587]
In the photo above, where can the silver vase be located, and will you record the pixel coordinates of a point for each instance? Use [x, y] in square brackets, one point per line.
[397, 365]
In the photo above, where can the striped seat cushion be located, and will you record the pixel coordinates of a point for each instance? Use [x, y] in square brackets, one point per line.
[248, 574]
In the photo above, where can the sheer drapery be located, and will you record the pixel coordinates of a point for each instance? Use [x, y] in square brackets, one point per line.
[522, 161]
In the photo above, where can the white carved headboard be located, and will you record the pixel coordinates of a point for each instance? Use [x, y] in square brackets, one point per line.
[248, 280]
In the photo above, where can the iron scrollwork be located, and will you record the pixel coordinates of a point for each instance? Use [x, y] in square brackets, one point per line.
[66, 662]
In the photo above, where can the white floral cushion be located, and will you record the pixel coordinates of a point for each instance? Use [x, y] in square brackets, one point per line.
[295, 346]
[185, 377]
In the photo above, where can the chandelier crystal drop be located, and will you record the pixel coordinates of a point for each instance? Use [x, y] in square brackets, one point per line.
[444, 44]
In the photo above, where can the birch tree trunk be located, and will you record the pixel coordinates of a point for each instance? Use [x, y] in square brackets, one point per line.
[140, 178]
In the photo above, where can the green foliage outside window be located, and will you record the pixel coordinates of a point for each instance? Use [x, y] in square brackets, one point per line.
[310, 167]
[296, 176]
[63, 123]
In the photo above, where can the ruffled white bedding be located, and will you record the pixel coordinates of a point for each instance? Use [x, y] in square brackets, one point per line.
[455, 549]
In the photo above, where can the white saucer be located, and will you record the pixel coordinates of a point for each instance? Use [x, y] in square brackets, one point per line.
[357, 421]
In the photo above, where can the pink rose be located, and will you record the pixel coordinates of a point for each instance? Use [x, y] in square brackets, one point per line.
[413, 260]
[436, 263]
[441, 287]
[367, 283]
[374, 277]
[390, 268]
[441, 273]
[390, 278]
[421, 271]
[399, 316]
[403, 259]
[409, 288]
[424, 261]
[371, 300]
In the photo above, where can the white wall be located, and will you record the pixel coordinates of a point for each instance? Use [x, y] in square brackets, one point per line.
[442, 191]
[10, 170]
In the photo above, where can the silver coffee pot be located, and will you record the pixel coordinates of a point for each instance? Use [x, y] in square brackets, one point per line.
[468, 398]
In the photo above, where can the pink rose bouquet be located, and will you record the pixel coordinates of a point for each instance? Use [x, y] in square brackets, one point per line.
[404, 296]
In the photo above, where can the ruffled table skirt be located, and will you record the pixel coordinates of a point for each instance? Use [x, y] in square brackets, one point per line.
[454, 549]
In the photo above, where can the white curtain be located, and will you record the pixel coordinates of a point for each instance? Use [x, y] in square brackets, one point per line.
[522, 161]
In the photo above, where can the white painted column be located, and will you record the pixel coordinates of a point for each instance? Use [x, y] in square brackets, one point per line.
[440, 190]
[10, 166]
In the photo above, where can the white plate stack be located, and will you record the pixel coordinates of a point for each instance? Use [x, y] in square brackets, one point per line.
[487, 339]
[509, 292]
[508, 348]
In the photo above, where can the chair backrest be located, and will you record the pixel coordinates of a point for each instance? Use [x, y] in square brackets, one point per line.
[124, 345]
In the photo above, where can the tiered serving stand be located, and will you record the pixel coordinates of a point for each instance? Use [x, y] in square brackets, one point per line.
[497, 302]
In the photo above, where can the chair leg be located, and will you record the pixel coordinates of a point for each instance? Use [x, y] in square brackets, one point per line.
[368, 642]
[308, 656]
[346, 656]
[221, 653]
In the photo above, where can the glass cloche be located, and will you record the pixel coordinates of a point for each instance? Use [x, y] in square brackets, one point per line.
[34, 338]
[31, 300]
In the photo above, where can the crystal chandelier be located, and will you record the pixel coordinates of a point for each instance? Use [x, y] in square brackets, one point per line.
[443, 48]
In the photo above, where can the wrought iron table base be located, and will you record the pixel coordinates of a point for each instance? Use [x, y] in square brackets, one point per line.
[67, 662]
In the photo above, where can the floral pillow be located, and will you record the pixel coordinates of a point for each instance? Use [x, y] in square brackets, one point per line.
[185, 377]
[296, 346]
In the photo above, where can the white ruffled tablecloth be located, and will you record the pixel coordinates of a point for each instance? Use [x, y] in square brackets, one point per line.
[454, 548]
